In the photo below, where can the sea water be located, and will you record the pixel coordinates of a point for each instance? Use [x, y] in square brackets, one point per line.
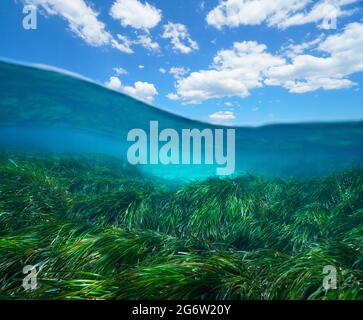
[48, 111]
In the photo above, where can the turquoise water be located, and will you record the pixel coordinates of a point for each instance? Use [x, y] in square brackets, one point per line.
[46, 111]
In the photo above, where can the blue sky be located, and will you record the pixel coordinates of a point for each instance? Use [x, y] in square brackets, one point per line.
[243, 62]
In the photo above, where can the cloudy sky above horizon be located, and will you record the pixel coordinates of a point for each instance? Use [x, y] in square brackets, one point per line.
[244, 62]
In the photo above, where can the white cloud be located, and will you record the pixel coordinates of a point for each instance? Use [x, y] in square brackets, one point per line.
[141, 66]
[140, 90]
[248, 65]
[220, 116]
[321, 12]
[179, 37]
[123, 44]
[178, 72]
[162, 70]
[114, 83]
[279, 13]
[82, 19]
[147, 43]
[315, 83]
[234, 72]
[172, 96]
[308, 73]
[293, 50]
[120, 71]
[136, 14]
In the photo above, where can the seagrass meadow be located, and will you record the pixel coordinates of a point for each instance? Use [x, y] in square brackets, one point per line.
[97, 228]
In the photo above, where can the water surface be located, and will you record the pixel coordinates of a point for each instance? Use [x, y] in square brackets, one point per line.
[47, 111]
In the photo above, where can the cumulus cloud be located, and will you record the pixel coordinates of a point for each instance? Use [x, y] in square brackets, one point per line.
[125, 44]
[308, 73]
[122, 44]
[140, 90]
[82, 19]
[220, 116]
[234, 72]
[292, 50]
[147, 43]
[278, 13]
[249, 65]
[114, 83]
[135, 14]
[179, 37]
[172, 96]
[178, 72]
[322, 12]
[315, 83]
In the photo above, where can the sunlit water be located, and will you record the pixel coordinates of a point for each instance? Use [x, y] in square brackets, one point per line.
[51, 112]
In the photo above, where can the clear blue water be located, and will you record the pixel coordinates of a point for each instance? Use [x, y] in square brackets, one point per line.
[52, 112]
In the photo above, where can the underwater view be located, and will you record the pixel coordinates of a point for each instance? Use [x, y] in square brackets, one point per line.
[239, 177]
